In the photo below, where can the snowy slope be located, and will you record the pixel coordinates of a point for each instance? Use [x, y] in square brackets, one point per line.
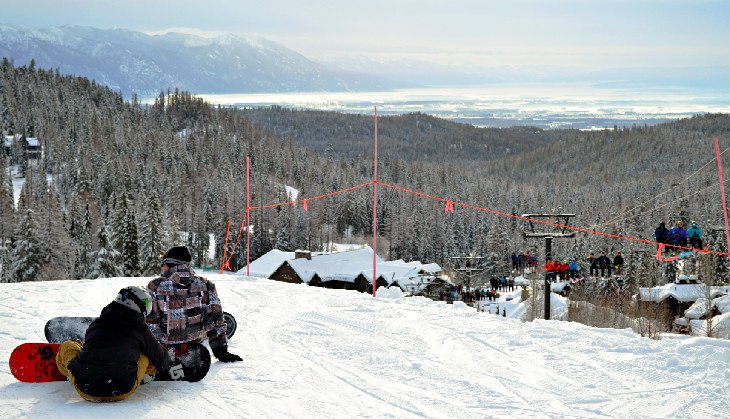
[313, 352]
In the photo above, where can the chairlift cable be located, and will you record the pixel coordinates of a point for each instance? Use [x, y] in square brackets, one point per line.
[624, 214]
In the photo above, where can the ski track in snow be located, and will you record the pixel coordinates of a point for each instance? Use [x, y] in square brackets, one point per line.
[312, 352]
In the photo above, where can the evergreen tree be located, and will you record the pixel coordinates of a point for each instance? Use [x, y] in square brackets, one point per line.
[117, 223]
[26, 258]
[55, 242]
[151, 237]
[282, 230]
[130, 242]
[5, 273]
[105, 258]
[85, 241]
[7, 213]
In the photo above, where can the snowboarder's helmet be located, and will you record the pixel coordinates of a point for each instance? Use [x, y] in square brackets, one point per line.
[135, 298]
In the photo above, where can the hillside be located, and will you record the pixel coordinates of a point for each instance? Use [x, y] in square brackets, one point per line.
[135, 62]
[179, 166]
[313, 352]
[410, 137]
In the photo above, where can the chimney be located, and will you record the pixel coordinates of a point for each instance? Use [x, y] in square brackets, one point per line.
[302, 254]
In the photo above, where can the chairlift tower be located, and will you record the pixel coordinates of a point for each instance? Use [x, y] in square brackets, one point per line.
[468, 266]
[557, 226]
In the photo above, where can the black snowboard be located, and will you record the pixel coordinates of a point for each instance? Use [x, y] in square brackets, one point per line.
[60, 329]
[190, 362]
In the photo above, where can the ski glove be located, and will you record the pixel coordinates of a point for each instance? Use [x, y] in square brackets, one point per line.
[221, 353]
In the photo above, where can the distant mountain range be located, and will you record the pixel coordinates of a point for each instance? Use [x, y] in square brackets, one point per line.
[135, 62]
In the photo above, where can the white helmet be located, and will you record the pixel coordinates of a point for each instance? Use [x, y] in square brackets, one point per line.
[136, 298]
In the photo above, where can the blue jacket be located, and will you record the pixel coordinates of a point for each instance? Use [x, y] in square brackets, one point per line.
[679, 232]
[694, 231]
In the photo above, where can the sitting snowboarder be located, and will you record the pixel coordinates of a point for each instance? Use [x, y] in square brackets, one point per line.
[186, 307]
[695, 236]
[118, 350]
[662, 234]
[604, 263]
[618, 263]
[680, 235]
[593, 264]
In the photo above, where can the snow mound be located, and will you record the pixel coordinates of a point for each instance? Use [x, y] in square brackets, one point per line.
[390, 293]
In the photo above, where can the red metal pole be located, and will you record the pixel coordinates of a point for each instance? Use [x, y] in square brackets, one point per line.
[375, 206]
[722, 192]
[248, 216]
[225, 248]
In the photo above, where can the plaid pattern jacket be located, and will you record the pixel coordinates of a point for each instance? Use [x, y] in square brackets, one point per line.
[185, 308]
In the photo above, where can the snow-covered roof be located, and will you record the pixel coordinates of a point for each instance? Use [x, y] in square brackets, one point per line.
[723, 303]
[681, 292]
[267, 264]
[699, 308]
[33, 142]
[343, 247]
[720, 326]
[8, 142]
[342, 266]
[431, 268]
[558, 286]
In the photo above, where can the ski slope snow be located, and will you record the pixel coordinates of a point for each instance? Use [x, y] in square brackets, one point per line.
[313, 352]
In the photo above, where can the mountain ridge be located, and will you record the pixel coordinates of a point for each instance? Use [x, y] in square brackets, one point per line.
[135, 62]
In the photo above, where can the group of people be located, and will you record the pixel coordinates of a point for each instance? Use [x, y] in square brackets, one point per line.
[479, 294]
[677, 237]
[125, 346]
[523, 261]
[491, 293]
[572, 270]
[605, 265]
[502, 284]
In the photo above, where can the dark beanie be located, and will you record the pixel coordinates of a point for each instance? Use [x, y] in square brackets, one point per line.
[177, 255]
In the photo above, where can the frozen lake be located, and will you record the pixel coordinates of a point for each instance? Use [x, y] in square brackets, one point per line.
[573, 105]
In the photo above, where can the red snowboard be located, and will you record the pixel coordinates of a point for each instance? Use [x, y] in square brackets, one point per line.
[35, 363]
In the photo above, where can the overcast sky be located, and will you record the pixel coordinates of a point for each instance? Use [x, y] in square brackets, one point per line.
[590, 34]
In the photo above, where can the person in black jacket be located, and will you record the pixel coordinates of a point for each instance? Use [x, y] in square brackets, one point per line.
[618, 263]
[118, 351]
[604, 263]
[662, 234]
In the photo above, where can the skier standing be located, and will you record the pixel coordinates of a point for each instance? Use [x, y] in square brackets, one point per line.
[186, 307]
[118, 350]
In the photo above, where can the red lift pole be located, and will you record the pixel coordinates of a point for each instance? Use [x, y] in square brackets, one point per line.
[375, 205]
[722, 193]
[248, 216]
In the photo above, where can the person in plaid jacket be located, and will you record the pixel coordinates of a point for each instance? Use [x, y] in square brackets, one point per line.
[186, 307]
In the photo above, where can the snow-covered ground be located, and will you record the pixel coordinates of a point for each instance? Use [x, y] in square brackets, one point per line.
[318, 353]
[18, 182]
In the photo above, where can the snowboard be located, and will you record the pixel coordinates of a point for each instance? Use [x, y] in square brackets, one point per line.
[36, 363]
[60, 329]
[190, 362]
